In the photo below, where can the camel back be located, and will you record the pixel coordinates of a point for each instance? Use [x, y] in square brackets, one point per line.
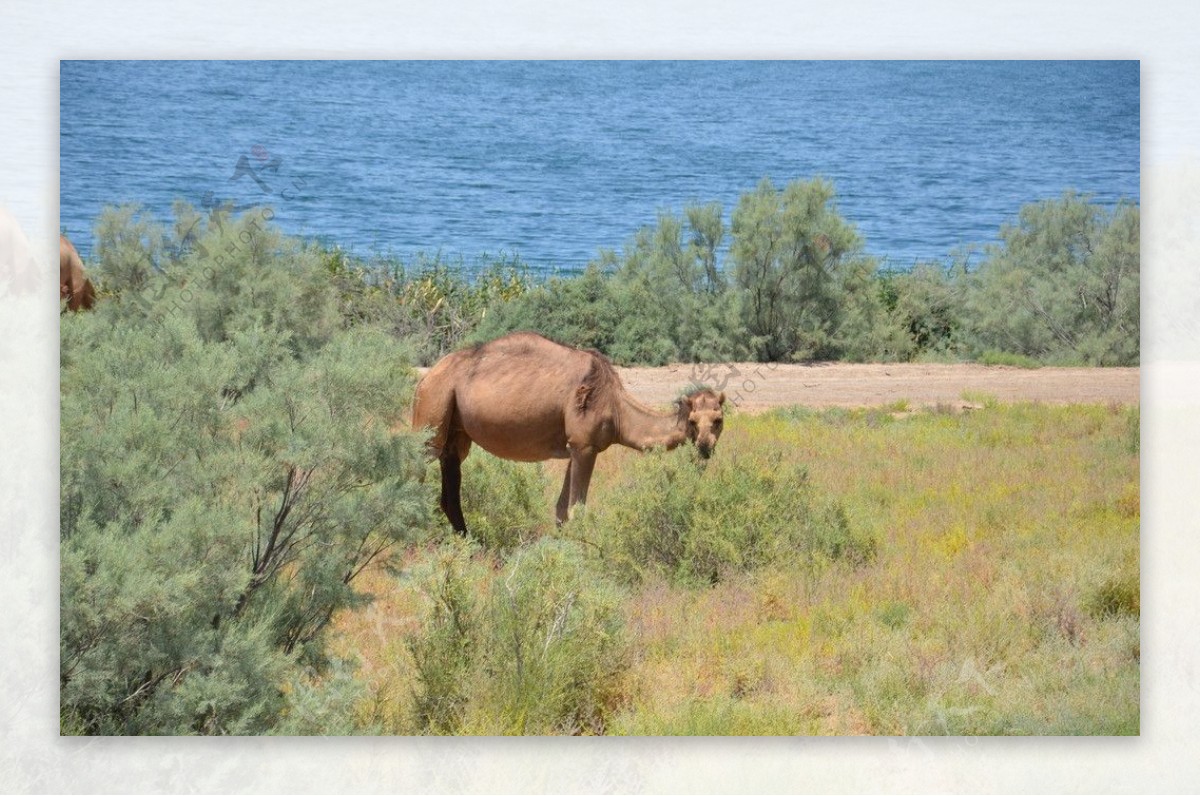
[597, 385]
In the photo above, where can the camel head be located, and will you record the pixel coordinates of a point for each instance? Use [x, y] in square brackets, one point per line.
[703, 412]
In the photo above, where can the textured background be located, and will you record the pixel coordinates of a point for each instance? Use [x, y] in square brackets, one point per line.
[35, 35]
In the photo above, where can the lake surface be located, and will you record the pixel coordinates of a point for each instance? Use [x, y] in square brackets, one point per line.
[553, 161]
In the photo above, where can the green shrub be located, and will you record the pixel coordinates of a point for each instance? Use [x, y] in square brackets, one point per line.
[541, 652]
[894, 615]
[661, 300]
[556, 647]
[1133, 434]
[1008, 359]
[435, 302]
[1062, 286]
[1117, 595]
[796, 284]
[446, 651]
[803, 277]
[228, 469]
[926, 306]
[323, 703]
[579, 311]
[678, 516]
[504, 502]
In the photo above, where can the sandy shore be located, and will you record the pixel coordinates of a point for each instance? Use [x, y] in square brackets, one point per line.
[756, 386]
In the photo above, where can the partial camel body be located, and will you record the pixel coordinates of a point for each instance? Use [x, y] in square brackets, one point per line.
[73, 286]
[525, 398]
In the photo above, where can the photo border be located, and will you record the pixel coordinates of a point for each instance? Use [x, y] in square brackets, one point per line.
[1160, 34]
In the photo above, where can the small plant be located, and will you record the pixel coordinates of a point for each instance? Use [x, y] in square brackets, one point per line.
[1117, 595]
[1008, 359]
[985, 399]
[445, 652]
[506, 504]
[1133, 430]
[537, 648]
[556, 649]
[696, 522]
[894, 615]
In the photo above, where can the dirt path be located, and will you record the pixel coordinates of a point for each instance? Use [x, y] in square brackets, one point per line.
[757, 386]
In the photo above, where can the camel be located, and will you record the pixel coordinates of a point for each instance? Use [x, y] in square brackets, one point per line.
[527, 399]
[73, 286]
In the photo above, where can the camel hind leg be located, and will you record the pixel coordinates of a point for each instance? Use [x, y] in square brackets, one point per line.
[434, 409]
[452, 492]
[451, 459]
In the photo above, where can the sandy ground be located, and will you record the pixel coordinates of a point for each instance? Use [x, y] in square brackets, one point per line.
[756, 386]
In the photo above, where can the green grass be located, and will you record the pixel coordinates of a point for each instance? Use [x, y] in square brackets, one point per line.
[1000, 593]
[1009, 359]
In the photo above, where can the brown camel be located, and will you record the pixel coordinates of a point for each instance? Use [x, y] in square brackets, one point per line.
[525, 398]
[73, 286]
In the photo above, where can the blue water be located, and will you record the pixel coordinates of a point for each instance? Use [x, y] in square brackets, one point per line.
[553, 161]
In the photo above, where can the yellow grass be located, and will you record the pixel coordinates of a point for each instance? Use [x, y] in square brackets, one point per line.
[1002, 597]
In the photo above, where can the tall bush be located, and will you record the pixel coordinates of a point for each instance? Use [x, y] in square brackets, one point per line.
[926, 304]
[1063, 285]
[229, 467]
[662, 299]
[800, 268]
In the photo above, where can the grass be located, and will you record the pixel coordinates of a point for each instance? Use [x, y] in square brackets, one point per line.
[1000, 596]
[1008, 359]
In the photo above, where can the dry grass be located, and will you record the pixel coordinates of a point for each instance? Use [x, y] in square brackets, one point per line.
[1003, 597]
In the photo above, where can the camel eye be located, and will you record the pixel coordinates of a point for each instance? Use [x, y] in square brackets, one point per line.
[718, 423]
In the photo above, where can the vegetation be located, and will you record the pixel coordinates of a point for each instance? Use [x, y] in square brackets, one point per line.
[1061, 287]
[249, 541]
[787, 279]
[229, 468]
[541, 651]
[938, 573]
[692, 521]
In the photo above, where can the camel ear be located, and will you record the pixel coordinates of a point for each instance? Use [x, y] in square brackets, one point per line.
[685, 402]
[721, 398]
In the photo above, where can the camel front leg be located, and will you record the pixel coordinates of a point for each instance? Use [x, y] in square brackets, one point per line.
[560, 509]
[582, 463]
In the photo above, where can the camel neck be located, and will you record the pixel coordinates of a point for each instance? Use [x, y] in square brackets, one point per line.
[640, 427]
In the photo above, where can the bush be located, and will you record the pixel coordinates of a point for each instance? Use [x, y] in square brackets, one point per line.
[1009, 360]
[541, 652]
[802, 275]
[579, 311]
[228, 470]
[1063, 285]
[796, 285]
[446, 651]
[662, 300]
[1116, 595]
[435, 303]
[677, 516]
[504, 502]
[926, 306]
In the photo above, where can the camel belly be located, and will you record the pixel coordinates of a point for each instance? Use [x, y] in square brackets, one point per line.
[518, 439]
